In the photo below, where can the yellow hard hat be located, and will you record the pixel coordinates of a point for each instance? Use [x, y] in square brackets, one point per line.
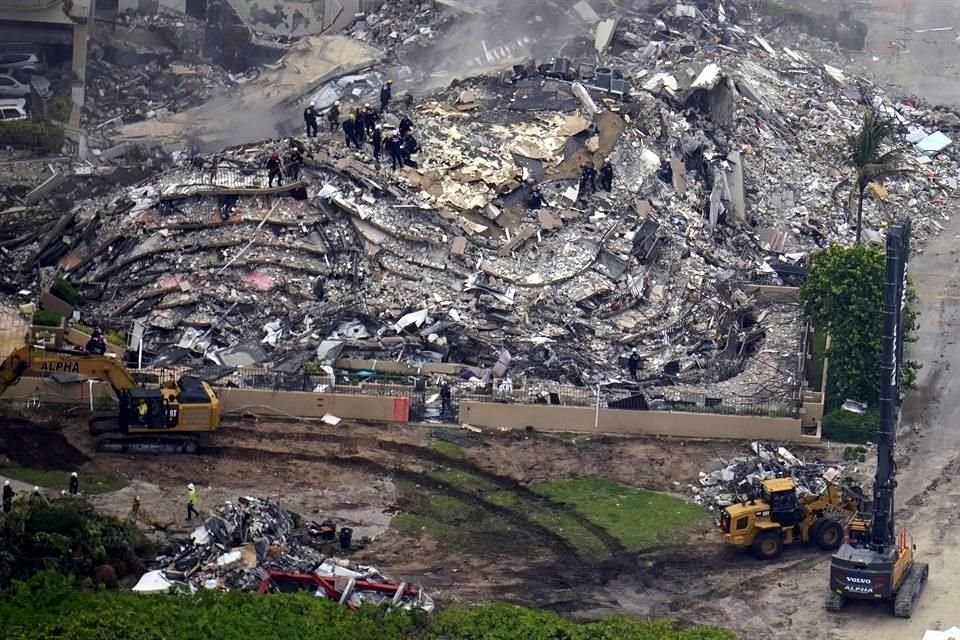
[353, 117]
[389, 81]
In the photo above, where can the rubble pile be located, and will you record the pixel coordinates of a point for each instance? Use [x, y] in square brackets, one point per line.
[399, 24]
[255, 542]
[738, 479]
[727, 147]
[146, 66]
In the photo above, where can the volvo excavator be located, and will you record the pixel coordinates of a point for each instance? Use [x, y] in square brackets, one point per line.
[177, 417]
[876, 562]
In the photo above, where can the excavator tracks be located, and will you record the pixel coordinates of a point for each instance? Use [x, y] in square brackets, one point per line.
[909, 593]
[834, 601]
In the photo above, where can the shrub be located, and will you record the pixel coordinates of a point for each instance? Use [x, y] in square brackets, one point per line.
[114, 338]
[65, 291]
[35, 135]
[44, 318]
[60, 106]
[847, 426]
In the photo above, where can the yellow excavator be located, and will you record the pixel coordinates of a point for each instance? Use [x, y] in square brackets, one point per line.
[779, 517]
[177, 417]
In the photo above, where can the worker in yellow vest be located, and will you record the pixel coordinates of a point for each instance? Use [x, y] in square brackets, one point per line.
[191, 502]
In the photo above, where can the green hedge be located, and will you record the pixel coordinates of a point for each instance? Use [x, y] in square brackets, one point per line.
[847, 426]
[49, 606]
[37, 135]
[63, 289]
[44, 318]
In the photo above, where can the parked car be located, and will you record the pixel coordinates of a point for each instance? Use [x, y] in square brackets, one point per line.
[25, 62]
[16, 84]
[13, 109]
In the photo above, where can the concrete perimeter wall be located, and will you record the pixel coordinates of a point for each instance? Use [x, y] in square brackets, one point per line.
[251, 401]
[615, 421]
[492, 415]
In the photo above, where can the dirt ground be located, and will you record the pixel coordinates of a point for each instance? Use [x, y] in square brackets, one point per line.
[352, 474]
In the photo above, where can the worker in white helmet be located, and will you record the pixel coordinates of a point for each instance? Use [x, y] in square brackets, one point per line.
[310, 115]
[74, 484]
[333, 116]
[7, 496]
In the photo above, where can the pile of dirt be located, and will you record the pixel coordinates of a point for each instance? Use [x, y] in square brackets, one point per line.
[38, 446]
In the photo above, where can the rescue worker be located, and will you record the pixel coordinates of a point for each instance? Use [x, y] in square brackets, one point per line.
[406, 125]
[445, 399]
[588, 179]
[633, 363]
[142, 410]
[348, 130]
[377, 141]
[370, 117]
[606, 176]
[359, 132]
[394, 148]
[296, 163]
[536, 198]
[135, 509]
[274, 169]
[7, 496]
[333, 116]
[36, 496]
[310, 115]
[408, 101]
[97, 345]
[408, 146]
[386, 93]
[191, 502]
[74, 486]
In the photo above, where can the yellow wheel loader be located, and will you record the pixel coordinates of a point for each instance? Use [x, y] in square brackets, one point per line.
[780, 517]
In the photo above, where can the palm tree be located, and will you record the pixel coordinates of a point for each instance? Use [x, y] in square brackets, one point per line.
[863, 152]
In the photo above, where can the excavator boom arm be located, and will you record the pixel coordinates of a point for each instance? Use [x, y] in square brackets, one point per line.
[27, 359]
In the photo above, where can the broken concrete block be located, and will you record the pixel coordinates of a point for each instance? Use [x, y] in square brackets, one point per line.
[585, 11]
[679, 174]
[737, 193]
[459, 246]
[604, 35]
[878, 191]
[548, 220]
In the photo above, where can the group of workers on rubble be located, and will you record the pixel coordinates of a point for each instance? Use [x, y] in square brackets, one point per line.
[363, 125]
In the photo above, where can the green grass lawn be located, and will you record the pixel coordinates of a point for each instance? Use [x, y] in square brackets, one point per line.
[637, 518]
[447, 449]
[89, 482]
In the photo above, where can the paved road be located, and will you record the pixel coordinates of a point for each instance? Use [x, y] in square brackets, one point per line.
[923, 62]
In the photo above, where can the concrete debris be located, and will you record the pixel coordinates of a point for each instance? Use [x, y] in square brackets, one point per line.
[738, 479]
[254, 545]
